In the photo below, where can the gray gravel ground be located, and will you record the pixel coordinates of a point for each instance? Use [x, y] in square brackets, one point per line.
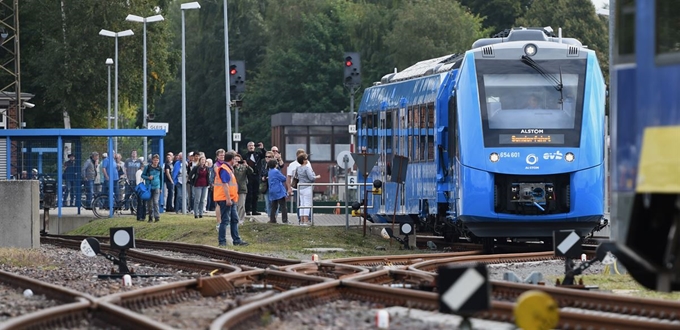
[548, 269]
[13, 302]
[358, 315]
[72, 269]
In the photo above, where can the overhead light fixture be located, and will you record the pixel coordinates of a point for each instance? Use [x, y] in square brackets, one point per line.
[530, 49]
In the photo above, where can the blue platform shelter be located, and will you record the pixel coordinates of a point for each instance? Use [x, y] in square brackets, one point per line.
[57, 139]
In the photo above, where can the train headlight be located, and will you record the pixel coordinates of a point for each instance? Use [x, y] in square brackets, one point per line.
[494, 157]
[569, 157]
[530, 49]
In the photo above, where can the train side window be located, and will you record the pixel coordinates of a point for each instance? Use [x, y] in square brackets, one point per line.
[667, 32]
[625, 32]
[388, 120]
[416, 114]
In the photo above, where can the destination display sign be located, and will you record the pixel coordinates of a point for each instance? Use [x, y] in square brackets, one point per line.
[531, 138]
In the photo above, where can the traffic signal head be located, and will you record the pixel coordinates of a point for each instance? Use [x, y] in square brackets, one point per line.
[237, 76]
[352, 64]
[377, 187]
[356, 209]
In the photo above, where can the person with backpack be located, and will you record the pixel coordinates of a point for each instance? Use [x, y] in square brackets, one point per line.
[278, 191]
[141, 204]
[152, 176]
[264, 174]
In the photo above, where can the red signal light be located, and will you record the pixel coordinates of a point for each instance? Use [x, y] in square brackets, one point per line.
[348, 63]
[232, 72]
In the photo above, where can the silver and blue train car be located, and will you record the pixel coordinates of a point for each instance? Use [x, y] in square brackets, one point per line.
[645, 135]
[504, 141]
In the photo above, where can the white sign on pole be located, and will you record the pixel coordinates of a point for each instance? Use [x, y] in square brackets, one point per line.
[352, 129]
[163, 126]
[352, 180]
[236, 137]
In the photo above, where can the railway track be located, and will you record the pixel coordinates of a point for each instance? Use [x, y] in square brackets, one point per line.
[238, 297]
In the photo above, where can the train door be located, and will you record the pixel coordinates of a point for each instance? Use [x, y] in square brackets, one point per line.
[452, 154]
[382, 151]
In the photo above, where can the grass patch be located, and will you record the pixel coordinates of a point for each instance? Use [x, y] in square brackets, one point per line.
[14, 257]
[621, 284]
[264, 238]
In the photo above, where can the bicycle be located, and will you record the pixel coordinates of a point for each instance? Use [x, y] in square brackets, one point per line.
[100, 203]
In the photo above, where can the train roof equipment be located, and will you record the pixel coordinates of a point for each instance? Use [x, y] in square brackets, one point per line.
[526, 34]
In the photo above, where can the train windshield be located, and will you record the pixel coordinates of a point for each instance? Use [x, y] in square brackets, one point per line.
[531, 104]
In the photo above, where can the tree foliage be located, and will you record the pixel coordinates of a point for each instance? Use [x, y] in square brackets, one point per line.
[63, 59]
[427, 29]
[578, 19]
[498, 15]
[292, 48]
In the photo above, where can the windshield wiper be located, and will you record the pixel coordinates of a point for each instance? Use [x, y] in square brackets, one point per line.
[557, 84]
[551, 78]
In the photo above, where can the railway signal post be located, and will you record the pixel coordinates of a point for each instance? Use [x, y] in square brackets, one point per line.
[363, 161]
[352, 80]
[463, 290]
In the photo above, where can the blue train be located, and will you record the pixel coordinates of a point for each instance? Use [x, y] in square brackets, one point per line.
[645, 158]
[505, 141]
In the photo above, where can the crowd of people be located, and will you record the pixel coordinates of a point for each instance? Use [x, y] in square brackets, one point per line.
[230, 186]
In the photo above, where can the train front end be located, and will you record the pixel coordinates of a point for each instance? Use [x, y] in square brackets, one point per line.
[531, 134]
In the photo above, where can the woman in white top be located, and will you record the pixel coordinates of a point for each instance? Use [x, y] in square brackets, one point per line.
[141, 207]
[305, 174]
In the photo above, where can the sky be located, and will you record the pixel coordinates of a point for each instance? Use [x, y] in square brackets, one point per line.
[598, 6]
[600, 3]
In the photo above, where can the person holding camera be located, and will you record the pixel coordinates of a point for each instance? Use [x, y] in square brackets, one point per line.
[242, 172]
[199, 179]
[253, 158]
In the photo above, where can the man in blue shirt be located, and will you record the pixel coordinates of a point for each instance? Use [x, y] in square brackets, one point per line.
[110, 172]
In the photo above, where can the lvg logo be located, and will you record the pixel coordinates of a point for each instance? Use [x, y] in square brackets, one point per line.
[553, 155]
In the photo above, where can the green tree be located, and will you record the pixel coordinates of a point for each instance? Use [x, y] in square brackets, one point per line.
[302, 70]
[427, 29]
[205, 76]
[578, 19]
[63, 58]
[498, 15]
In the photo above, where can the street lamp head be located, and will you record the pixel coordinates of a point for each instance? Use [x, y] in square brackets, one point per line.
[190, 5]
[109, 61]
[125, 33]
[29, 105]
[107, 33]
[134, 18]
[154, 18]
[112, 34]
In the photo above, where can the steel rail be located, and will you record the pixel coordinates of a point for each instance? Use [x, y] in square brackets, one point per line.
[184, 264]
[430, 266]
[400, 260]
[233, 257]
[326, 269]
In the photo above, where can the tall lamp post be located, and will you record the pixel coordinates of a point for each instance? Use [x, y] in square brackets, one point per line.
[109, 62]
[226, 76]
[185, 6]
[115, 35]
[139, 19]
